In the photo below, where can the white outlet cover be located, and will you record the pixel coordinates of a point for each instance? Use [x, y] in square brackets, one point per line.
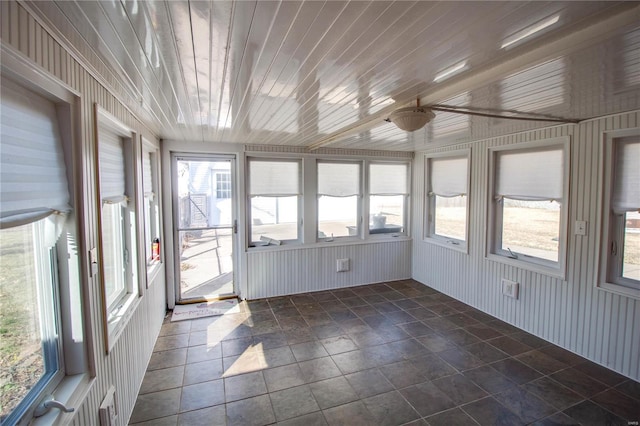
[510, 288]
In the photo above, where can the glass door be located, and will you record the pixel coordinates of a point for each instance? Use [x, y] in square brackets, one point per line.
[204, 227]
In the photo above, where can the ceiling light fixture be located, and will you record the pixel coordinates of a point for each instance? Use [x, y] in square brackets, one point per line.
[529, 31]
[411, 119]
[450, 71]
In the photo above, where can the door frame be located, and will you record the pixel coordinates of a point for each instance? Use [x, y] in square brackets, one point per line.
[175, 232]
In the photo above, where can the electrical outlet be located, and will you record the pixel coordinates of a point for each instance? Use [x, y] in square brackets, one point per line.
[510, 288]
[342, 265]
[581, 227]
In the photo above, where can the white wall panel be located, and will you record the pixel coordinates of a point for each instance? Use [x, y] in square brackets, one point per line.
[574, 314]
[125, 366]
[288, 271]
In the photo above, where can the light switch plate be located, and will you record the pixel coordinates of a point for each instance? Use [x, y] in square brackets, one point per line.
[581, 227]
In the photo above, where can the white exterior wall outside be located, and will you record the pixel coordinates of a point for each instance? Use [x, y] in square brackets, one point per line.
[126, 364]
[601, 326]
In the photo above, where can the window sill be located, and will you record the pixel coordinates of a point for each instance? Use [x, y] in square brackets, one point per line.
[448, 243]
[72, 392]
[558, 272]
[337, 242]
[119, 318]
[618, 289]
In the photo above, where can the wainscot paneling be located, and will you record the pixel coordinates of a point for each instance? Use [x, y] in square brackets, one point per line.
[125, 365]
[601, 326]
[288, 271]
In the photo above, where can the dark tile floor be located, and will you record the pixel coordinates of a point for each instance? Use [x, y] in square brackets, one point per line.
[383, 354]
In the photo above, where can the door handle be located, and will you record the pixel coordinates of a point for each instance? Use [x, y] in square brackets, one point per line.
[235, 226]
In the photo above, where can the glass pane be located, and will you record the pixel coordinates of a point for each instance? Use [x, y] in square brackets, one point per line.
[531, 228]
[631, 263]
[274, 217]
[204, 193]
[206, 268]
[25, 280]
[386, 214]
[451, 217]
[337, 216]
[113, 252]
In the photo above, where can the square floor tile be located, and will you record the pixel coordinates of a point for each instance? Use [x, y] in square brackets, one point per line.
[202, 395]
[210, 416]
[579, 382]
[516, 371]
[251, 411]
[156, 404]
[313, 419]
[427, 399]
[244, 386]
[163, 379]
[351, 414]
[166, 359]
[308, 350]
[338, 344]
[284, 377]
[524, 404]
[489, 412]
[459, 388]
[317, 369]
[203, 371]
[332, 392]
[390, 409]
[369, 382]
[553, 393]
[402, 374]
[489, 379]
[293, 402]
[451, 417]
[589, 413]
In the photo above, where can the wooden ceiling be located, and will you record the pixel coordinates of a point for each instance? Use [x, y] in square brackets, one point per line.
[317, 73]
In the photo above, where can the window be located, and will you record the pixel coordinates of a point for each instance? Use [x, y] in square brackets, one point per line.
[447, 200]
[529, 203]
[151, 202]
[274, 197]
[339, 196]
[223, 185]
[388, 194]
[620, 258]
[118, 230]
[39, 329]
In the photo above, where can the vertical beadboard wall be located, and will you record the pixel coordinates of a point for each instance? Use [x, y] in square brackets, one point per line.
[279, 272]
[125, 366]
[599, 325]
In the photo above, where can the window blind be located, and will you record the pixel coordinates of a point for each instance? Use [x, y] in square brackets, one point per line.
[388, 179]
[338, 179]
[112, 172]
[626, 181]
[274, 178]
[32, 166]
[147, 182]
[448, 176]
[530, 175]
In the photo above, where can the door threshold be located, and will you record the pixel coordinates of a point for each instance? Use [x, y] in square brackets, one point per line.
[208, 299]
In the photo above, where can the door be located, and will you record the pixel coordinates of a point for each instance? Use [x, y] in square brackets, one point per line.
[204, 227]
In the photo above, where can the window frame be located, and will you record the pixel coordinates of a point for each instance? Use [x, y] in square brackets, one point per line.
[116, 317]
[430, 204]
[611, 224]
[494, 216]
[367, 200]
[359, 235]
[149, 204]
[77, 368]
[300, 221]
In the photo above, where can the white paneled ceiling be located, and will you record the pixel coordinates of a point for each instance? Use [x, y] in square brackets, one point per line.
[319, 73]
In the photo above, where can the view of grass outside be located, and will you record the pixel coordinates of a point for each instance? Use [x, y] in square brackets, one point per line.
[450, 217]
[21, 356]
[531, 228]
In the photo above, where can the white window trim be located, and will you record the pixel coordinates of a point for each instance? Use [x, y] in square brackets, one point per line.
[153, 266]
[553, 269]
[362, 207]
[429, 235]
[367, 202]
[605, 225]
[78, 359]
[300, 225]
[115, 320]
